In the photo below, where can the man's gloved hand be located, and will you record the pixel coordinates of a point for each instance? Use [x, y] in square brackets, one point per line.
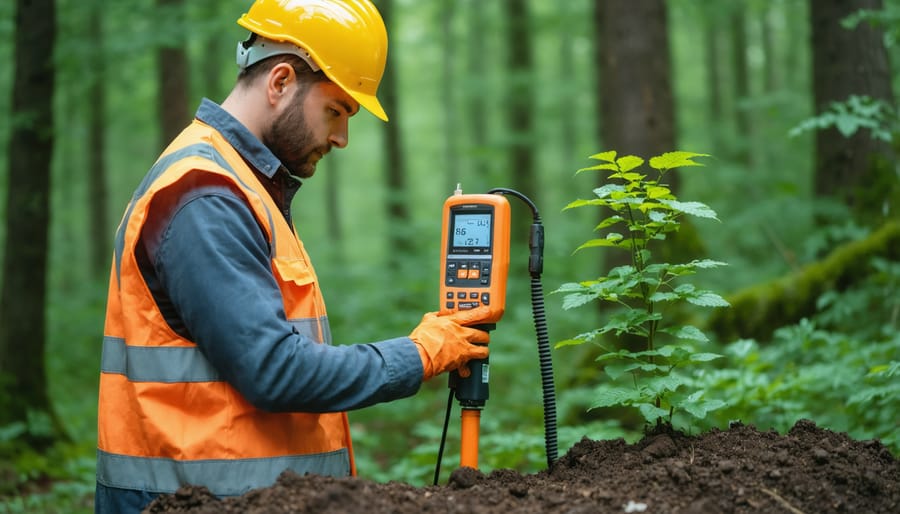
[445, 343]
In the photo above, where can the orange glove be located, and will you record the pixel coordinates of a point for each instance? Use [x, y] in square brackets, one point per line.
[445, 344]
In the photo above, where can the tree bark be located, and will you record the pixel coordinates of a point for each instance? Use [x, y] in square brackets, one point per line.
[23, 381]
[97, 200]
[520, 105]
[850, 62]
[395, 163]
[477, 70]
[173, 112]
[741, 85]
[637, 110]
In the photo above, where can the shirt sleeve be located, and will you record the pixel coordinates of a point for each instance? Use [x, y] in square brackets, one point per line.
[212, 259]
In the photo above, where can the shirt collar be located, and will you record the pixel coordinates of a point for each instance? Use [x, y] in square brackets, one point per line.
[237, 135]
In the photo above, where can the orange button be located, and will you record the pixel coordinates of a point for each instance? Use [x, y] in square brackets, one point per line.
[474, 273]
[463, 273]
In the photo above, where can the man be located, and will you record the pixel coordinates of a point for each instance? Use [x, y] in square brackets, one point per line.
[217, 367]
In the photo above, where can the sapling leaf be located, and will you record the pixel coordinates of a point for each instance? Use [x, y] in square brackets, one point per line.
[707, 299]
[609, 396]
[698, 209]
[629, 176]
[629, 162]
[651, 412]
[570, 301]
[688, 332]
[608, 156]
[582, 203]
[608, 222]
[664, 384]
[607, 189]
[670, 160]
[658, 192]
[598, 167]
[664, 296]
[705, 357]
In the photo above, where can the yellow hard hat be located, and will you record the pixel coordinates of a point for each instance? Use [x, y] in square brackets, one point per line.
[346, 39]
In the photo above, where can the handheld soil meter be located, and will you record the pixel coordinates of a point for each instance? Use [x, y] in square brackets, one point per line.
[474, 265]
[475, 254]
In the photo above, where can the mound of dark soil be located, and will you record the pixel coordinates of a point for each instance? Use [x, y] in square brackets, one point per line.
[741, 469]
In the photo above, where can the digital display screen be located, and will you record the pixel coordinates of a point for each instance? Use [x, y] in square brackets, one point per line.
[472, 230]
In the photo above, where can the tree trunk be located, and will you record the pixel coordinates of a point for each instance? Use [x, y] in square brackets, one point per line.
[712, 49]
[23, 381]
[98, 234]
[476, 85]
[741, 85]
[173, 112]
[395, 163]
[520, 106]
[448, 86]
[851, 62]
[637, 111]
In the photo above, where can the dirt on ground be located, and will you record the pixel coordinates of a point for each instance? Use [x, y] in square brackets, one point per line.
[742, 469]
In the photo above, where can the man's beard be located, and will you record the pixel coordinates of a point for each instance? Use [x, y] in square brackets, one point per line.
[291, 140]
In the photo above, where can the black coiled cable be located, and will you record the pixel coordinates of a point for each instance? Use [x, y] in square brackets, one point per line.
[535, 268]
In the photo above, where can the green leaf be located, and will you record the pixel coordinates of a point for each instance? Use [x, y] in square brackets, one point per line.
[700, 409]
[582, 203]
[574, 300]
[610, 396]
[663, 296]
[698, 209]
[670, 160]
[629, 162]
[705, 357]
[668, 383]
[651, 412]
[610, 221]
[630, 177]
[658, 192]
[611, 239]
[691, 333]
[598, 167]
[707, 299]
[609, 156]
[569, 342]
[606, 190]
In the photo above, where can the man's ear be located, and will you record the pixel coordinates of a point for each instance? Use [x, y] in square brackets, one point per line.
[280, 77]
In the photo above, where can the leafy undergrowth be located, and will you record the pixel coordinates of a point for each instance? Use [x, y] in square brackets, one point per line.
[808, 469]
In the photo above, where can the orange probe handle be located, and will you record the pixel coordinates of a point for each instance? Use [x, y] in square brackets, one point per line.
[468, 453]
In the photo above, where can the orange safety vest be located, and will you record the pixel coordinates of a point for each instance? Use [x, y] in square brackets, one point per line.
[166, 418]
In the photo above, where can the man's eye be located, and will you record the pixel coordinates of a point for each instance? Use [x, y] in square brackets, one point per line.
[334, 112]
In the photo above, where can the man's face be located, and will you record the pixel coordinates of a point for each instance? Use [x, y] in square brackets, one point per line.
[313, 121]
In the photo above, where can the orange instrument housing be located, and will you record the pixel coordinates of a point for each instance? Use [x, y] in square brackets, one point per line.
[475, 253]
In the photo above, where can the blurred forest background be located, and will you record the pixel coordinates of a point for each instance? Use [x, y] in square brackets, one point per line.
[793, 99]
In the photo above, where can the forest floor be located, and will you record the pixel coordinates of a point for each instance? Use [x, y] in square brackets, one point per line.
[742, 469]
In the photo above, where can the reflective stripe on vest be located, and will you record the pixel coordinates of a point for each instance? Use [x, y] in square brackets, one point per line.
[227, 477]
[169, 364]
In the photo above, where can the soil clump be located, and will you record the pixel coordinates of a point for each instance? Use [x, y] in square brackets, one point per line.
[738, 470]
